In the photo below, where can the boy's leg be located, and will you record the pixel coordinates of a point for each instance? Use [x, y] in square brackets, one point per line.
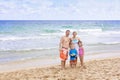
[70, 64]
[75, 63]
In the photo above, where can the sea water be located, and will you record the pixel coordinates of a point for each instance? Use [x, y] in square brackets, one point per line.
[37, 39]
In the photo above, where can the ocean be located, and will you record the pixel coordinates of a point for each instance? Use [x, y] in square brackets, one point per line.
[39, 39]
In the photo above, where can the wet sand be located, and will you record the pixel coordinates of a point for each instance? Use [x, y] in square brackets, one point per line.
[105, 69]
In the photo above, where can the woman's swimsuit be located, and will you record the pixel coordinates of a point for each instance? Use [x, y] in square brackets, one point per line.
[75, 42]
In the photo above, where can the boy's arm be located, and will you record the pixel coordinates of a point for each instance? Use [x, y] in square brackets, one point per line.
[76, 53]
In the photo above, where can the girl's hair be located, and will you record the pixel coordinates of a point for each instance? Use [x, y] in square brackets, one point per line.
[80, 42]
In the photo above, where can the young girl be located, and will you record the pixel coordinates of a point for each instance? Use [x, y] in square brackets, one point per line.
[73, 56]
[81, 54]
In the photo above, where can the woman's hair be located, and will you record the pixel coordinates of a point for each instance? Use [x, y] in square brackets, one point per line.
[74, 32]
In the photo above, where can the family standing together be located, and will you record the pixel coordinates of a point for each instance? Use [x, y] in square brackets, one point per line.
[72, 47]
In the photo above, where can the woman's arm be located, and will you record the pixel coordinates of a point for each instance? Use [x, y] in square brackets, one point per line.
[78, 39]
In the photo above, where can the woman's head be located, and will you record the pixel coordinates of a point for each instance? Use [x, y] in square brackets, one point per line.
[80, 43]
[74, 34]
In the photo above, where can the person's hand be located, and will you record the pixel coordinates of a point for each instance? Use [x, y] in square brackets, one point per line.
[73, 54]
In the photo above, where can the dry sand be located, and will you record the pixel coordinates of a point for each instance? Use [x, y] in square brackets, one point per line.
[107, 69]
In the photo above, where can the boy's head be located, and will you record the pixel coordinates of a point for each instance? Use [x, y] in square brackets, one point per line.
[72, 46]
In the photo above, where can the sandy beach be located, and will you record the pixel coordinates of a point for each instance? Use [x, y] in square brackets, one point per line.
[104, 69]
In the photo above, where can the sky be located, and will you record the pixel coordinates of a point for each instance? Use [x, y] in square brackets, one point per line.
[59, 10]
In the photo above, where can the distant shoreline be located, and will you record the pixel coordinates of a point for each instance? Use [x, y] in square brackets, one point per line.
[60, 20]
[36, 63]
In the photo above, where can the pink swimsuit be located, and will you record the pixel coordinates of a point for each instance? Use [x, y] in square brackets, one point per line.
[81, 51]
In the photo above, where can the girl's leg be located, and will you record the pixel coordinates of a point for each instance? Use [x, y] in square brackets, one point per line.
[75, 62]
[81, 59]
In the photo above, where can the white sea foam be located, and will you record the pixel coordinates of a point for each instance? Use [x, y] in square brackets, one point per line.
[14, 38]
[28, 49]
[71, 30]
[90, 30]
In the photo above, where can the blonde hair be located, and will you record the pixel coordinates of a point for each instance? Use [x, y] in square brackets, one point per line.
[74, 32]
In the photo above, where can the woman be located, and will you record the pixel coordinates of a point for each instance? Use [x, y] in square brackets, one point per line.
[75, 40]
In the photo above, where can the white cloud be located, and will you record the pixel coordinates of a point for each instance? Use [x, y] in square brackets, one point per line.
[51, 9]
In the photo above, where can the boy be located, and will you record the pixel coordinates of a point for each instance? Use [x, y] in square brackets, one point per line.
[73, 56]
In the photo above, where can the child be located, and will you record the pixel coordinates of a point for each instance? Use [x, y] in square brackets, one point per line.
[73, 55]
[81, 54]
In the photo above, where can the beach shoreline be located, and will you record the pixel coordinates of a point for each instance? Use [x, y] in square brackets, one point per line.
[41, 63]
[98, 69]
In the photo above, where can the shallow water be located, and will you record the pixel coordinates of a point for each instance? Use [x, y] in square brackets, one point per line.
[24, 40]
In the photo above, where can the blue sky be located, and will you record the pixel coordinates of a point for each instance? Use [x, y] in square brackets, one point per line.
[59, 10]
